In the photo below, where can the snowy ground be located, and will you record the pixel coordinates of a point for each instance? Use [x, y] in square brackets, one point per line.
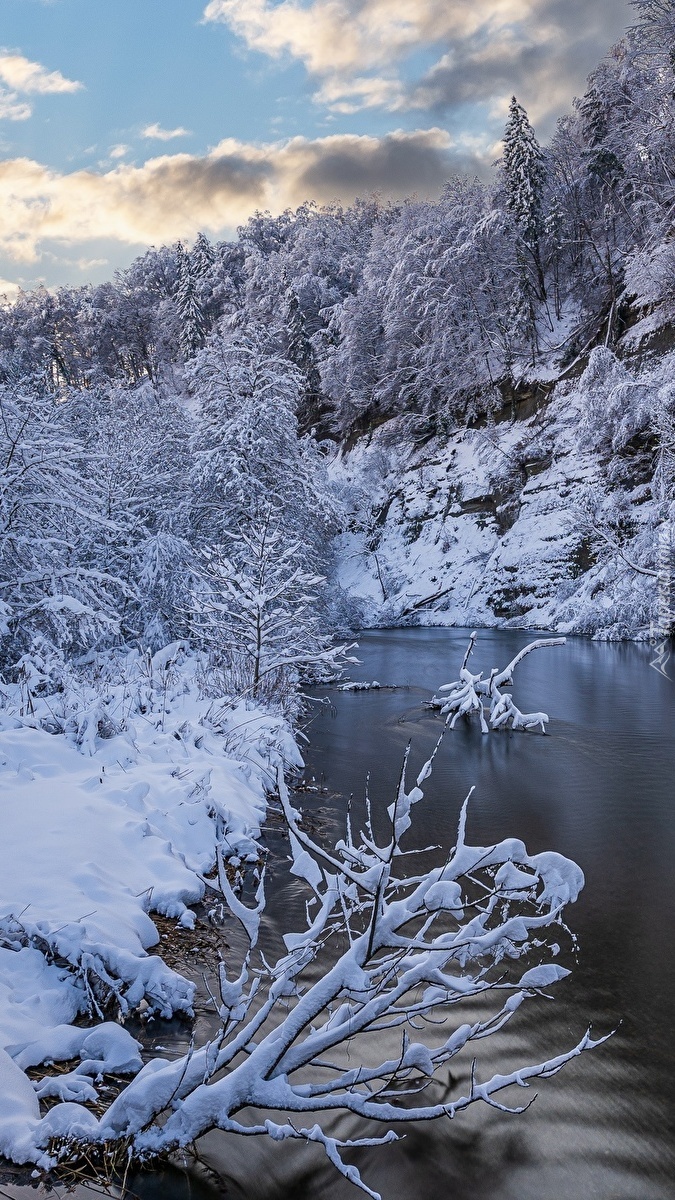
[96, 834]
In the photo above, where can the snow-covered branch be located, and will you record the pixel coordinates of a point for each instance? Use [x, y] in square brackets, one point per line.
[473, 694]
[382, 957]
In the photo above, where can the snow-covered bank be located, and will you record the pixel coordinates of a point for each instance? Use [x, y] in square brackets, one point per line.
[529, 522]
[113, 799]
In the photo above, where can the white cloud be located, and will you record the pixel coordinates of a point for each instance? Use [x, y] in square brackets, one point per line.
[19, 76]
[164, 135]
[12, 108]
[22, 75]
[119, 151]
[366, 91]
[332, 36]
[357, 50]
[174, 196]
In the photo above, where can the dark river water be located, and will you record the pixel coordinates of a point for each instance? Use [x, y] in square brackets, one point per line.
[599, 788]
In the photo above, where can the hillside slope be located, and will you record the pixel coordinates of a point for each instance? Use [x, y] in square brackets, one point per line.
[530, 520]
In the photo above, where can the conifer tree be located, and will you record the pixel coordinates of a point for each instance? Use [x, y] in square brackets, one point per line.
[524, 174]
[524, 177]
[301, 353]
[191, 323]
[202, 256]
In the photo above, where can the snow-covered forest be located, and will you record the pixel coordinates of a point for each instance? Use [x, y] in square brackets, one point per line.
[473, 394]
[213, 470]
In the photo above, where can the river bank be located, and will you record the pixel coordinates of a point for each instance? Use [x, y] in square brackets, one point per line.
[113, 799]
[549, 515]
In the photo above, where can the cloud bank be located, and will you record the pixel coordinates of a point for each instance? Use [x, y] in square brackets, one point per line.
[360, 52]
[174, 196]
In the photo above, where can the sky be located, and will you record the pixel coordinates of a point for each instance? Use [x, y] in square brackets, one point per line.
[129, 123]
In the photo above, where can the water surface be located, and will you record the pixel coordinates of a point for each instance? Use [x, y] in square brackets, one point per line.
[599, 788]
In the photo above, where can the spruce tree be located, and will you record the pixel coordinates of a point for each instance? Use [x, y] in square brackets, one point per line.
[524, 174]
[191, 323]
[301, 353]
[202, 256]
[524, 177]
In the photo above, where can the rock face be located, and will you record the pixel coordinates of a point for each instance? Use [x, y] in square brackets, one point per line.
[490, 526]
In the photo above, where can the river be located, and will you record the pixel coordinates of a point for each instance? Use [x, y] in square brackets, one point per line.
[599, 788]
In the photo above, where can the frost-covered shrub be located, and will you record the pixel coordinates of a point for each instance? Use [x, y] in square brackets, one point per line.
[99, 695]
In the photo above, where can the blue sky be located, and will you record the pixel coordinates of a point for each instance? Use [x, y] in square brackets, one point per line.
[268, 102]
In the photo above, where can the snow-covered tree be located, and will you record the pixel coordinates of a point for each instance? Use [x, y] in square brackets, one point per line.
[248, 456]
[136, 450]
[52, 515]
[524, 174]
[256, 612]
[164, 571]
[191, 323]
[524, 178]
[202, 256]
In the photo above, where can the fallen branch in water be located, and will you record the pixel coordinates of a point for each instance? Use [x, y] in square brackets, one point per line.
[424, 601]
[472, 694]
